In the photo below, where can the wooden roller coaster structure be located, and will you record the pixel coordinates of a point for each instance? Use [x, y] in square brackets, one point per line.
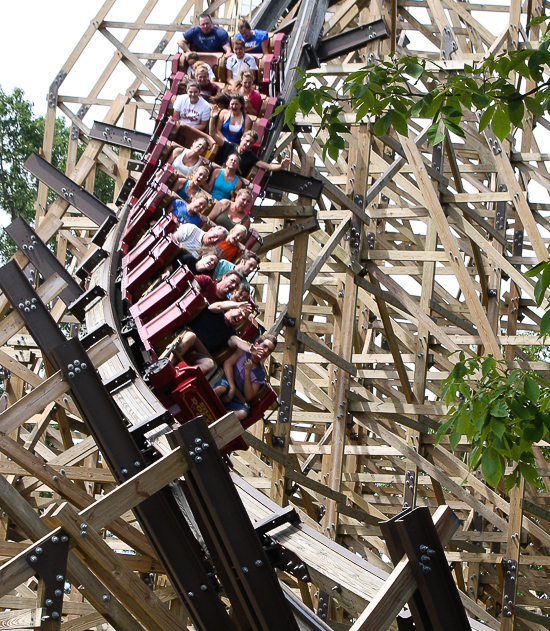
[338, 510]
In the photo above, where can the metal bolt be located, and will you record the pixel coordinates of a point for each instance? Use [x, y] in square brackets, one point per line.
[106, 598]
[83, 533]
[203, 588]
[55, 615]
[58, 593]
[198, 441]
[60, 578]
[55, 478]
[190, 594]
[55, 539]
[205, 446]
[124, 471]
[48, 602]
[258, 563]
[64, 538]
[38, 550]
[33, 558]
[198, 459]
[137, 463]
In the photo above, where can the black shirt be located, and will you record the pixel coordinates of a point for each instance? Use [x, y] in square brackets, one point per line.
[212, 330]
[248, 158]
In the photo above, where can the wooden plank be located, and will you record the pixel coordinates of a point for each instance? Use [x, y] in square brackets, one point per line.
[21, 619]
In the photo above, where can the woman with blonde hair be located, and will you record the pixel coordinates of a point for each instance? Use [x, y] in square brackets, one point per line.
[187, 187]
[252, 98]
[185, 161]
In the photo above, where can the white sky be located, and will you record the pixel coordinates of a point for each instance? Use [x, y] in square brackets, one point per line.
[36, 38]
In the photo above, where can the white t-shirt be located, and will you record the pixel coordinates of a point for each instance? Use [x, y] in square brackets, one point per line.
[190, 238]
[236, 66]
[192, 113]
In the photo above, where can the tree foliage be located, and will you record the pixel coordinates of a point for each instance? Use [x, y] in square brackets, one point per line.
[501, 412]
[21, 133]
[393, 91]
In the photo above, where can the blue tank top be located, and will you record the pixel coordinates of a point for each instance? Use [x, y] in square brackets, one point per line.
[223, 189]
[182, 192]
[232, 136]
[181, 214]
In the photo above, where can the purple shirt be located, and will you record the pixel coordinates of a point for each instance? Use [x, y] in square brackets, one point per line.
[257, 374]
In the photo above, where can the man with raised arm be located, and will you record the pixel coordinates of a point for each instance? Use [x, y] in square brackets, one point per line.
[243, 149]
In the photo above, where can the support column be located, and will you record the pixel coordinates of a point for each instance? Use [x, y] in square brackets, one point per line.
[280, 435]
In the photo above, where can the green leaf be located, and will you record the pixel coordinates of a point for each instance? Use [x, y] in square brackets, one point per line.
[499, 409]
[512, 480]
[536, 269]
[531, 388]
[515, 112]
[536, 61]
[498, 428]
[383, 124]
[414, 70]
[434, 138]
[545, 324]
[529, 472]
[501, 124]
[533, 106]
[306, 99]
[452, 126]
[538, 20]
[492, 466]
[480, 100]
[486, 117]
[399, 123]
[487, 365]
[454, 439]
[520, 411]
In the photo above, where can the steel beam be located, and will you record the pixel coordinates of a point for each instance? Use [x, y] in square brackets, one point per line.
[120, 136]
[72, 193]
[43, 258]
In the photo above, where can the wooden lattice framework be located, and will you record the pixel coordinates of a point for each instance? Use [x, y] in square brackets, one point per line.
[404, 259]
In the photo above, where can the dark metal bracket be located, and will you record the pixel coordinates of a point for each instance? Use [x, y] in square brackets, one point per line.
[163, 420]
[78, 307]
[101, 235]
[323, 602]
[120, 136]
[500, 215]
[509, 567]
[43, 258]
[120, 381]
[90, 263]
[436, 604]
[351, 40]
[72, 193]
[408, 495]
[286, 393]
[49, 559]
[290, 182]
[94, 336]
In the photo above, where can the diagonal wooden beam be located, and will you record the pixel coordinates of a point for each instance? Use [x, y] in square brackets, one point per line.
[449, 243]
